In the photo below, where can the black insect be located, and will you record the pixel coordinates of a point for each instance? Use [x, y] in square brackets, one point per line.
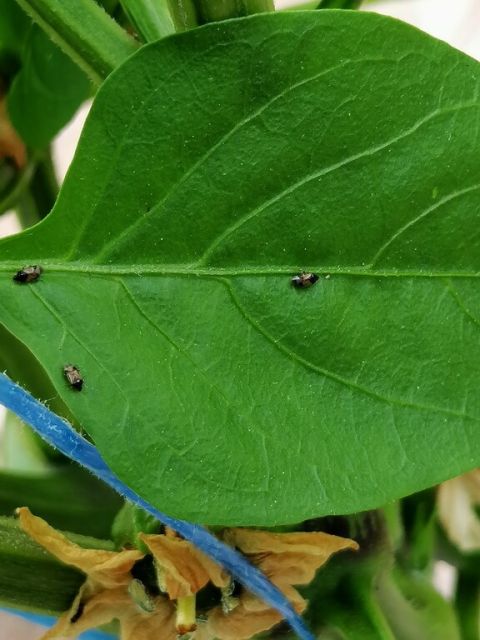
[72, 374]
[304, 280]
[28, 274]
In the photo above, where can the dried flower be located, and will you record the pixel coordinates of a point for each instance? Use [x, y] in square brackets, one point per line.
[111, 592]
[105, 594]
[287, 559]
[11, 146]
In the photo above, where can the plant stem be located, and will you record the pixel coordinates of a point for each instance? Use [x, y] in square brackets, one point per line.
[44, 186]
[26, 209]
[39, 196]
[33, 580]
[155, 19]
[376, 616]
[304, 6]
[214, 10]
[85, 32]
[339, 4]
[20, 185]
[467, 599]
[184, 14]
[186, 615]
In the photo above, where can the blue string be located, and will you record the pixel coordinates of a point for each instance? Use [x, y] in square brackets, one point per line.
[49, 621]
[62, 436]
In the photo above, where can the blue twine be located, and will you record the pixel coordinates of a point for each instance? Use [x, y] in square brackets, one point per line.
[49, 621]
[59, 434]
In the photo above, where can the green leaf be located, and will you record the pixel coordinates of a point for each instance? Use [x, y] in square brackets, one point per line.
[46, 92]
[129, 522]
[14, 27]
[214, 166]
[26, 370]
[67, 497]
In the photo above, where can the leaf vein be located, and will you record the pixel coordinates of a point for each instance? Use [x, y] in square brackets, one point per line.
[220, 239]
[421, 216]
[124, 235]
[350, 384]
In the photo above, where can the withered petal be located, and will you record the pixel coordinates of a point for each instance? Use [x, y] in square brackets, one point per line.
[99, 609]
[11, 145]
[108, 569]
[239, 624]
[159, 625]
[252, 603]
[288, 558]
[186, 570]
[253, 541]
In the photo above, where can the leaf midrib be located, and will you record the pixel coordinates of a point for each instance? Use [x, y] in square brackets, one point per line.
[182, 270]
[285, 350]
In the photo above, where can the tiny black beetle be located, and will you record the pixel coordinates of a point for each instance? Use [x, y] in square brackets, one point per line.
[72, 374]
[28, 274]
[304, 280]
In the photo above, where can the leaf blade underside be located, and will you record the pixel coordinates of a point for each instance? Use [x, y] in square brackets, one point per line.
[214, 166]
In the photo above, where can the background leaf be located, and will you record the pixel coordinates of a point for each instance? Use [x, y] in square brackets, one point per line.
[67, 497]
[46, 92]
[14, 27]
[214, 166]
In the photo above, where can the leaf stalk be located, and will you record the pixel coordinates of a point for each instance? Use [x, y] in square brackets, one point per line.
[85, 32]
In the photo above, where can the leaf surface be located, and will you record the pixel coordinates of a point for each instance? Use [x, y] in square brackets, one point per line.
[214, 166]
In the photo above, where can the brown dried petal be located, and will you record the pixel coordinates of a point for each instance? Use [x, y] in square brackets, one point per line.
[239, 624]
[159, 625]
[106, 569]
[253, 541]
[99, 609]
[253, 603]
[288, 558]
[11, 145]
[186, 570]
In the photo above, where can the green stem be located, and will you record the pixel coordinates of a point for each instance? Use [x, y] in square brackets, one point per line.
[27, 211]
[339, 4]
[154, 19]
[44, 186]
[10, 199]
[467, 600]
[36, 200]
[85, 32]
[214, 10]
[304, 6]
[375, 614]
[186, 615]
[184, 14]
[33, 580]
